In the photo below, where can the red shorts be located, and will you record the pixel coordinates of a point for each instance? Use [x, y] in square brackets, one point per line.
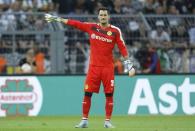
[98, 74]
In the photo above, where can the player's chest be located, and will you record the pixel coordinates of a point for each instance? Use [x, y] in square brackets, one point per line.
[102, 36]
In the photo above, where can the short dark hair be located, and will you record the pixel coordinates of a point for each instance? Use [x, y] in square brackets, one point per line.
[104, 9]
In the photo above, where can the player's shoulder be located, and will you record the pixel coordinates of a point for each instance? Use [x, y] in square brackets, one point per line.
[115, 28]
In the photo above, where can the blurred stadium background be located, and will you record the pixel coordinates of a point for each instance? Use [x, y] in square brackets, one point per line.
[165, 28]
[65, 50]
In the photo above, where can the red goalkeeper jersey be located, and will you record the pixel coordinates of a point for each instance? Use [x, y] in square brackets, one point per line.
[102, 42]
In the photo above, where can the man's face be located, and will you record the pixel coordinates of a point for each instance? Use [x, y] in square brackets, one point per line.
[30, 54]
[103, 16]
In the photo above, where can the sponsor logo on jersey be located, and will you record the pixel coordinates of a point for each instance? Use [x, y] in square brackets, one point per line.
[93, 36]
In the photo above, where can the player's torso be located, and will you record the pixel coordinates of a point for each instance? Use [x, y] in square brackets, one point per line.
[102, 36]
[102, 41]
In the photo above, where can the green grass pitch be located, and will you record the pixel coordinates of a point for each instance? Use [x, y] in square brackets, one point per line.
[122, 123]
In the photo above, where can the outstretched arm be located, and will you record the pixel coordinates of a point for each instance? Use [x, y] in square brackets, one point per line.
[83, 26]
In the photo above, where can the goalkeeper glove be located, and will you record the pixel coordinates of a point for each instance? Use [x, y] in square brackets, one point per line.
[52, 18]
[128, 65]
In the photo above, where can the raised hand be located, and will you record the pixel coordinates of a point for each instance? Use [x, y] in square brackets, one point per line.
[52, 18]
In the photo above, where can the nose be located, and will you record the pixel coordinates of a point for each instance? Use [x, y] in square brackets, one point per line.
[103, 17]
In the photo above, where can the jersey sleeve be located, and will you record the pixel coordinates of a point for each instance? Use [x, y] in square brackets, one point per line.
[83, 26]
[121, 44]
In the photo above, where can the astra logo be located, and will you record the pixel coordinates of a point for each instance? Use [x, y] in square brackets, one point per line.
[167, 99]
[93, 36]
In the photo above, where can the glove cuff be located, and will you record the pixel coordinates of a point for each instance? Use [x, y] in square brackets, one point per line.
[128, 65]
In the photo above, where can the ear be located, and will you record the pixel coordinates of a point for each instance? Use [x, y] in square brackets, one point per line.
[98, 17]
[108, 17]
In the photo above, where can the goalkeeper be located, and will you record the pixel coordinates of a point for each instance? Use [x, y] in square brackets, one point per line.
[103, 37]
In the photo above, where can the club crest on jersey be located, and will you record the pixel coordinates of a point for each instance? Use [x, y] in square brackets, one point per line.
[109, 33]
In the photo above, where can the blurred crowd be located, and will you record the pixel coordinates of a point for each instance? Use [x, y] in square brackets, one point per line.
[157, 42]
[91, 6]
[127, 6]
